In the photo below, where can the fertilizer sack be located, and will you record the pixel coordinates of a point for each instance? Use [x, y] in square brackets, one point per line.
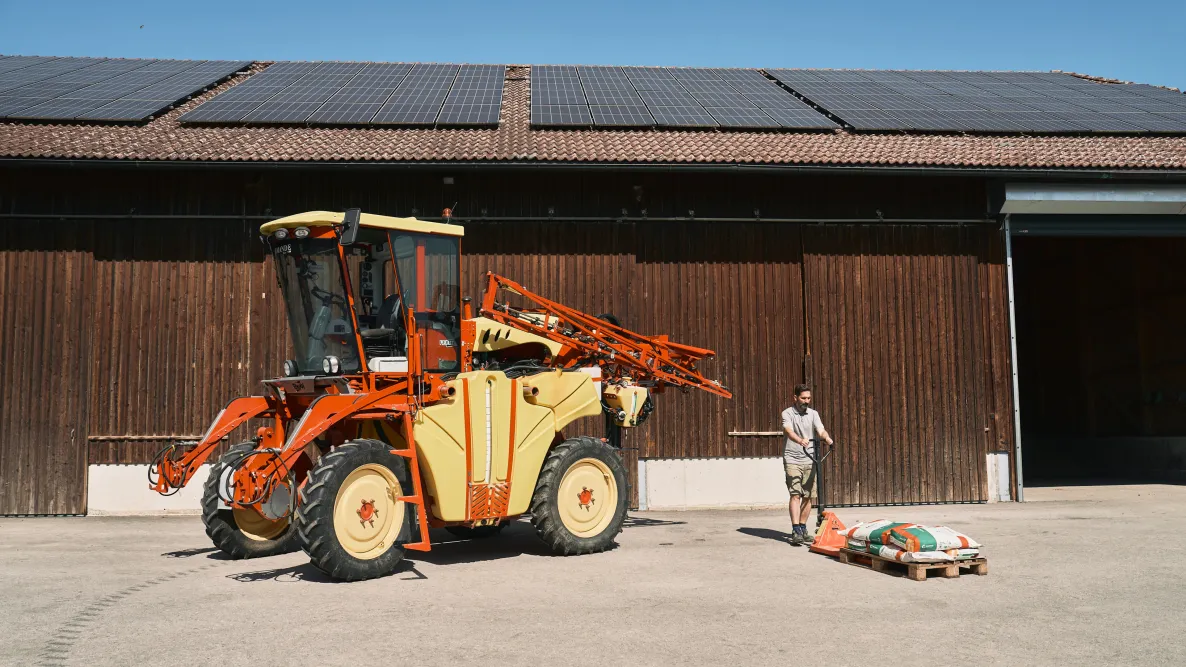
[912, 537]
[873, 532]
[894, 553]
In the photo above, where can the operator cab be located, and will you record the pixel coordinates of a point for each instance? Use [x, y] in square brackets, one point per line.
[347, 291]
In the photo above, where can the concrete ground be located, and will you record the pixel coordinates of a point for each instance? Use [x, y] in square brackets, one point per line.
[1081, 575]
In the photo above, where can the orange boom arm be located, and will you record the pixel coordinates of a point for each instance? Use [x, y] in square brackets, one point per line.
[589, 340]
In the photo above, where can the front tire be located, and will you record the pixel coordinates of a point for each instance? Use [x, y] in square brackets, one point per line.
[348, 519]
[242, 533]
[580, 499]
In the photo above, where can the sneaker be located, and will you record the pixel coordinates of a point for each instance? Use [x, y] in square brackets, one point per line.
[796, 539]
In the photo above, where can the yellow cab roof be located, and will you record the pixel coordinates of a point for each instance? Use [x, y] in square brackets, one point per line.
[323, 218]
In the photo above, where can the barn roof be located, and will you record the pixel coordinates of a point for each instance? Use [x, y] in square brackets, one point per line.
[515, 141]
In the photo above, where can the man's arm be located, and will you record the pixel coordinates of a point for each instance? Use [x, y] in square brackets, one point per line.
[794, 438]
[821, 431]
[788, 428]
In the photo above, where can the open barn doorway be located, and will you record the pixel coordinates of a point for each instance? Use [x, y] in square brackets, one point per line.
[1101, 336]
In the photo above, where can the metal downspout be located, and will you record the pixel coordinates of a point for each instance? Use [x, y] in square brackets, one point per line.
[1013, 353]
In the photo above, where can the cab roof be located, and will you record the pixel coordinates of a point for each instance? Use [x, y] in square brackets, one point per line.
[324, 218]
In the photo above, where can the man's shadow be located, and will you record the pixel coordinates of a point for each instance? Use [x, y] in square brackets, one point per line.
[766, 533]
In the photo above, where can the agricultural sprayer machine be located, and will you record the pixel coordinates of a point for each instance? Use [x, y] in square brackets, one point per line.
[402, 410]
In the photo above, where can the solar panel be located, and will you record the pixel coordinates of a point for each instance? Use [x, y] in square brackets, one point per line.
[1097, 122]
[671, 97]
[978, 101]
[407, 114]
[634, 115]
[682, 116]
[561, 114]
[568, 94]
[42, 71]
[613, 97]
[99, 89]
[1153, 122]
[469, 114]
[351, 93]
[657, 98]
[11, 63]
[10, 105]
[742, 117]
[799, 118]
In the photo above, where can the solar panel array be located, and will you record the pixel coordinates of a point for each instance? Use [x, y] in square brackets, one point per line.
[1048, 102]
[101, 89]
[341, 93]
[565, 95]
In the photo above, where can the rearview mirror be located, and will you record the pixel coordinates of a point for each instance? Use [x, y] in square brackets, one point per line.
[350, 226]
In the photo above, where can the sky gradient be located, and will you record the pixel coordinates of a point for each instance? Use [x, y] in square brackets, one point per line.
[1138, 40]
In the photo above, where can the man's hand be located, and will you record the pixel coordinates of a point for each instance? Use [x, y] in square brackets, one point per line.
[829, 441]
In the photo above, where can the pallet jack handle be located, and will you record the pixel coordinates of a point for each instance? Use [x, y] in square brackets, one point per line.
[818, 459]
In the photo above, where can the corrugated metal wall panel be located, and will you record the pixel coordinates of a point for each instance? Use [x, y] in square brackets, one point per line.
[44, 344]
[897, 339]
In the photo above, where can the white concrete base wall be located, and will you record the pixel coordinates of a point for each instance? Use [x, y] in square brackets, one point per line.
[999, 488]
[678, 484]
[123, 489]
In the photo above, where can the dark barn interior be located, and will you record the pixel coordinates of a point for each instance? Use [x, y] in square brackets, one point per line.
[1101, 358]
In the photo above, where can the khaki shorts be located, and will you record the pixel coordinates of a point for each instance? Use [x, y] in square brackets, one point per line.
[800, 479]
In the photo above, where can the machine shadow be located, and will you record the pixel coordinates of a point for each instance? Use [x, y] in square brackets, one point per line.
[641, 522]
[766, 533]
[307, 572]
[517, 539]
[186, 553]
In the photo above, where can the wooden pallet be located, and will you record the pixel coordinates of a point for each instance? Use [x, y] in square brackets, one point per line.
[915, 571]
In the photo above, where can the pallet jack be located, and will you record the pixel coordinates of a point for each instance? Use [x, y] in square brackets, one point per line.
[828, 540]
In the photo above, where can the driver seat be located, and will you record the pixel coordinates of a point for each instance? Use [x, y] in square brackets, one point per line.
[387, 339]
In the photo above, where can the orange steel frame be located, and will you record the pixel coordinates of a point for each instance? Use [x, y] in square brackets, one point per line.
[394, 398]
[587, 339]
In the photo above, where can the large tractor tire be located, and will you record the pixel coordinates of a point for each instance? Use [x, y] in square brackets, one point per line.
[475, 532]
[348, 519]
[580, 499]
[242, 533]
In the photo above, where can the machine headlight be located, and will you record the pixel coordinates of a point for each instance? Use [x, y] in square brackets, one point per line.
[280, 234]
[290, 368]
[331, 365]
[301, 232]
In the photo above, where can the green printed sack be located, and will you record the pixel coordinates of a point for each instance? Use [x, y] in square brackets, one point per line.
[874, 532]
[913, 537]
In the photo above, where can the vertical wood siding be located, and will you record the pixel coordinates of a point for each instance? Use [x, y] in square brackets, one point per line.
[901, 368]
[186, 317]
[45, 331]
[906, 326]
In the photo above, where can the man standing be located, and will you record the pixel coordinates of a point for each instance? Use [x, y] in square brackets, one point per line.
[802, 425]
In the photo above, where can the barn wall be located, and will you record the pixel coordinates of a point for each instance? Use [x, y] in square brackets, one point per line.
[900, 363]
[45, 342]
[182, 312]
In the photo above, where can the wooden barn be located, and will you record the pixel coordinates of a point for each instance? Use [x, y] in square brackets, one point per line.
[974, 310]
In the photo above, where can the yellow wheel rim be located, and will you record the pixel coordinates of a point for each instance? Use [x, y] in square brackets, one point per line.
[367, 518]
[256, 526]
[588, 497]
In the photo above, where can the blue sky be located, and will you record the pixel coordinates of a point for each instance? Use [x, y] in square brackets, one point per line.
[1135, 40]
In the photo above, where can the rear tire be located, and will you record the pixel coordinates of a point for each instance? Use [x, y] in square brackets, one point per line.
[348, 519]
[475, 532]
[242, 533]
[580, 499]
